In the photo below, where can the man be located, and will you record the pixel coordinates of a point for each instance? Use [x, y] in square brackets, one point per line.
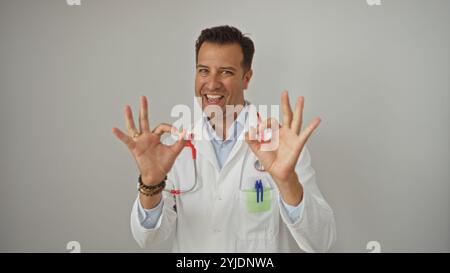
[235, 196]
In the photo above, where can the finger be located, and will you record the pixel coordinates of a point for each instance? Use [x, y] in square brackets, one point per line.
[298, 115]
[129, 121]
[286, 110]
[179, 144]
[272, 124]
[164, 128]
[306, 133]
[252, 134]
[124, 138]
[143, 115]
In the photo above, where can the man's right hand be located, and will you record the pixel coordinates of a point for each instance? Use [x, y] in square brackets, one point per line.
[154, 159]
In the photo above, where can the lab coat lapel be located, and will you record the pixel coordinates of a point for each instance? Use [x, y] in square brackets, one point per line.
[241, 145]
[238, 147]
[203, 144]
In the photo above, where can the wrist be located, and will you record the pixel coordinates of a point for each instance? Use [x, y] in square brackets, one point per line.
[150, 202]
[151, 180]
[288, 180]
[291, 190]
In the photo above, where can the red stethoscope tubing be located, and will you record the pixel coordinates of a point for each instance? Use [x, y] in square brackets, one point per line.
[188, 144]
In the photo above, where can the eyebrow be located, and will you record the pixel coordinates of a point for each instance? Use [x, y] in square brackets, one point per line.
[221, 68]
[227, 68]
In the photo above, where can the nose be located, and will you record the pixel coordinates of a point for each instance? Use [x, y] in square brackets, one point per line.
[213, 82]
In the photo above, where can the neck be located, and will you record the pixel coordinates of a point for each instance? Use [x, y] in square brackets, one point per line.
[221, 126]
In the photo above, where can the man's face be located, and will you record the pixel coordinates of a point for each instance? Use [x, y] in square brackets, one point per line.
[220, 79]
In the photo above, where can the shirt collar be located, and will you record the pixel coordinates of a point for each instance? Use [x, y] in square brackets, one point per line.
[235, 128]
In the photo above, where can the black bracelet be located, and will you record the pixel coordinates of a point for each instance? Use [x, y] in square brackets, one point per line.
[152, 187]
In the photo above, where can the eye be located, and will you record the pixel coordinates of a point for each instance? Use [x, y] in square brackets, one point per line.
[227, 72]
[202, 71]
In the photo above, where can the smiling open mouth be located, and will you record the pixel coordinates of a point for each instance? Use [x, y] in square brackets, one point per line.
[214, 99]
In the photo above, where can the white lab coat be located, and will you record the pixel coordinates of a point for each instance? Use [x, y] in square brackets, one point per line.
[214, 217]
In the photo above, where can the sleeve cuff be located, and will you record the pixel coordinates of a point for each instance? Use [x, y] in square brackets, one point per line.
[148, 218]
[294, 213]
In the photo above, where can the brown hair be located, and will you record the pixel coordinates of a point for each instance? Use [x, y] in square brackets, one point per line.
[227, 35]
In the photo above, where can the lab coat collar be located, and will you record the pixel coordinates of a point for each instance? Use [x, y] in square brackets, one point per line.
[204, 146]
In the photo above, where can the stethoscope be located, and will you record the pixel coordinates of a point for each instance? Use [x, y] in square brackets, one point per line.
[188, 144]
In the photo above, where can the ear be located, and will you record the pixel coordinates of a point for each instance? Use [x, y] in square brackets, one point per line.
[247, 77]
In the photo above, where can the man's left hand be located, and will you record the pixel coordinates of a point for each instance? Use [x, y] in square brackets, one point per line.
[290, 139]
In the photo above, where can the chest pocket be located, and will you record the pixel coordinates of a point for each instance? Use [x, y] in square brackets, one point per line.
[258, 209]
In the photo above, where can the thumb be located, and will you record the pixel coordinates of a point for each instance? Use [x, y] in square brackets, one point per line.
[253, 143]
[179, 144]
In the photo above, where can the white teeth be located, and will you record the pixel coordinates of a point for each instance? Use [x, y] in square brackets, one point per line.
[213, 96]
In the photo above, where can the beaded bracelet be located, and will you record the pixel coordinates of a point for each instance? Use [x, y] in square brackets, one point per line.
[151, 193]
[150, 187]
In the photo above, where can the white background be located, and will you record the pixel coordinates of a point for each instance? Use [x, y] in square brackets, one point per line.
[377, 75]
